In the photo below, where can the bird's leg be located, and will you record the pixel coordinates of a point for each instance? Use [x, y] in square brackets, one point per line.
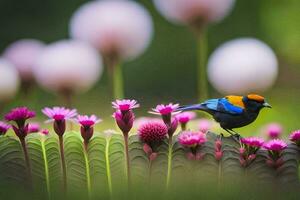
[234, 135]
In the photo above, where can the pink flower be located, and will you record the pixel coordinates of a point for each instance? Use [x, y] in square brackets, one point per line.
[45, 132]
[295, 137]
[185, 117]
[4, 128]
[59, 115]
[165, 109]
[253, 142]
[33, 127]
[125, 104]
[275, 145]
[124, 120]
[87, 124]
[191, 139]
[87, 121]
[19, 115]
[204, 125]
[274, 130]
[152, 132]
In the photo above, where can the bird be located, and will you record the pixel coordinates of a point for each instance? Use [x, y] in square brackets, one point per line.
[231, 111]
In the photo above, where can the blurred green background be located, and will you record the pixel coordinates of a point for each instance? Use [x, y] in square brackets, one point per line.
[166, 71]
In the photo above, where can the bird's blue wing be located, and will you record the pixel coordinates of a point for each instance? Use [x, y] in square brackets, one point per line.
[222, 105]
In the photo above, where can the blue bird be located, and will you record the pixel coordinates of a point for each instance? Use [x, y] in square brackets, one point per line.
[231, 111]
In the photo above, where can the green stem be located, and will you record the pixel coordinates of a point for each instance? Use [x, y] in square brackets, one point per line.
[115, 78]
[87, 168]
[202, 85]
[63, 162]
[108, 165]
[27, 160]
[170, 152]
[46, 168]
[127, 159]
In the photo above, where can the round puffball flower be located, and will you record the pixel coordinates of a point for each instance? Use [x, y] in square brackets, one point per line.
[241, 66]
[22, 54]
[193, 11]
[117, 28]
[9, 80]
[68, 65]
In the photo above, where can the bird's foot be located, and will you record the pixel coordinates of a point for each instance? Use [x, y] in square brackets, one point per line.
[237, 138]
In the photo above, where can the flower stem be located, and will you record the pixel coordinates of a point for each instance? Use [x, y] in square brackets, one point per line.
[27, 161]
[170, 152]
[63, 162]
[127, 159]
[202, 68]
[108, 173]
[87, 168]
[116, 79]
[46, 168]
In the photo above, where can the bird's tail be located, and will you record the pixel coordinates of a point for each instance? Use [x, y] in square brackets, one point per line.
[191, 107]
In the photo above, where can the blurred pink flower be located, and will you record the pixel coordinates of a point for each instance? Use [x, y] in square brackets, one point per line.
[117, 28]
[274, 130]
[204, 125]
[4, 128]
[23, 54]
[185, 117]
[295, 137]
[20, 115]
[252, 142]
[164, 109]
[191, 139]
[44, 132]
[33, 127]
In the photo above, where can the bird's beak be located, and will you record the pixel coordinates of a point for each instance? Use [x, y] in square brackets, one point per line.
[267, 105]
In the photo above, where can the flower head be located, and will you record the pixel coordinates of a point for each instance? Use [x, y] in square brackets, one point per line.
[4, 128]
[152, 132]
[20, 115]
[275, 145]
[191, 139]
[204, 125]
[124, 120]
[274, 130]
[59, 115]
[295, 137]
[33, 127]
[125, 104]
[88, 121]
[165, 109]
[45, 132]
[253, 142]
[184, 117]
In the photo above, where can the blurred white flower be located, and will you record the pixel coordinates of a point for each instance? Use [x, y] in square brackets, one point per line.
[191, 11]
[115, 27]
[241, 66]
[22, 54]
[9, 80]
[68, 65]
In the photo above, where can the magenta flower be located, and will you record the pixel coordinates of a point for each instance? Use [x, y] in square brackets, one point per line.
[218, 150]
[165, 109]
[20, 115]
[125, 104]
[44, 132]
[59, 115]
[255, 142]
[152, 132]
[204, 125]
[87, 123]
[191, 139]
[275, 145]
[295, 137]
[275, 148]
[274, 130]
[33, 127]
[184, 118]
[4, 128]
